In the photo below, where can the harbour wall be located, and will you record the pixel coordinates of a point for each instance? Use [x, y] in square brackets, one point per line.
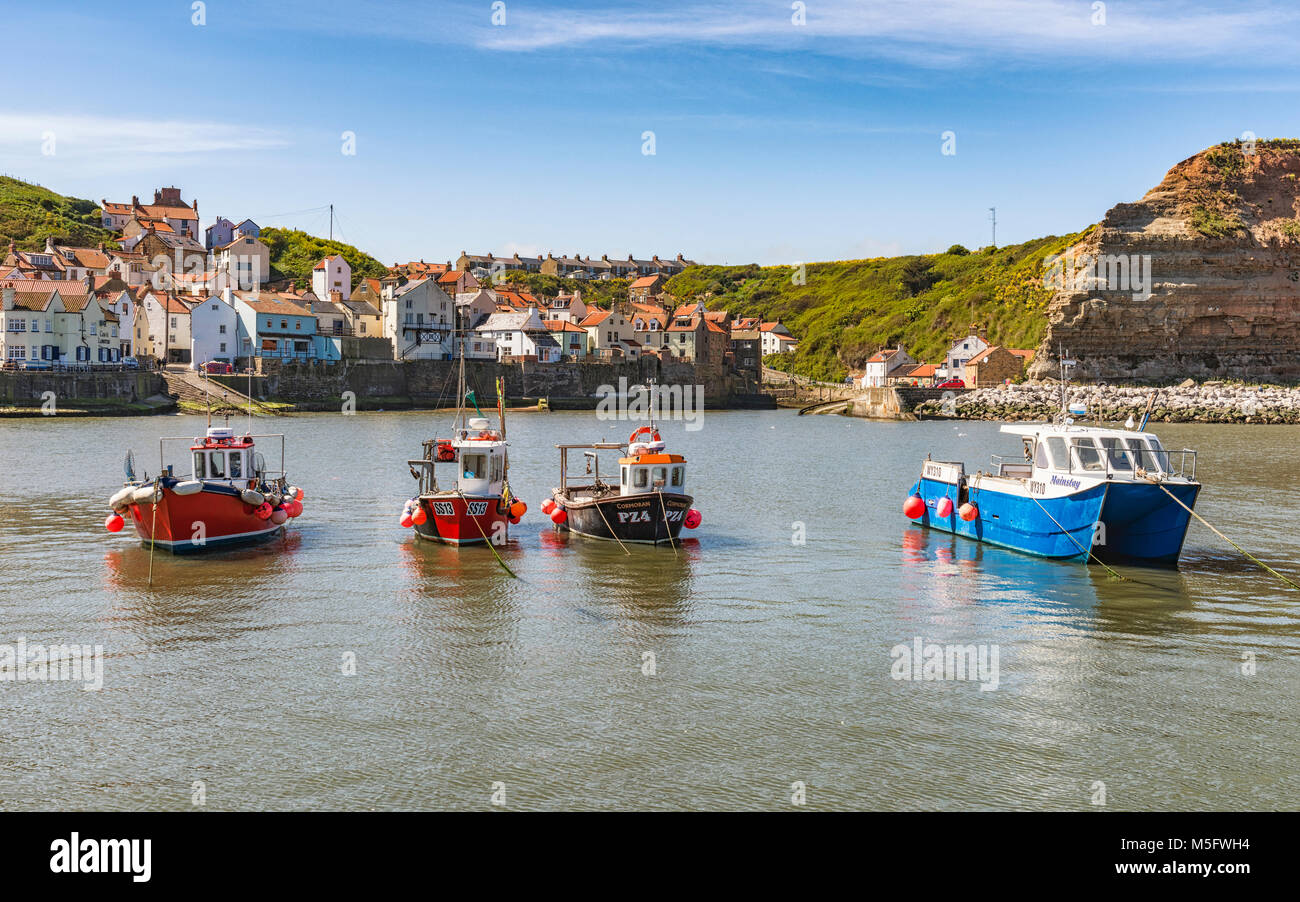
[93, 392]
[432, 383]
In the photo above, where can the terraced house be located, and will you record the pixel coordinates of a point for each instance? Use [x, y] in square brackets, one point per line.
[46, 324]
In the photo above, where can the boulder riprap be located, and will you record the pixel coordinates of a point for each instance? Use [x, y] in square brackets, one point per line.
[1208, 402]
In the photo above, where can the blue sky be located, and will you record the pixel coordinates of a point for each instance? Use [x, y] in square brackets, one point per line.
[774, 142]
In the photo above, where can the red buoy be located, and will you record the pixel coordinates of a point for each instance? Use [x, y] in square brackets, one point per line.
[968, 511]
[418, 516]
[693, 519]
[518, 509]
[913, 507]
[944, 510]
[559, 515]
[406, 521]
[548, 505]
[114, 523]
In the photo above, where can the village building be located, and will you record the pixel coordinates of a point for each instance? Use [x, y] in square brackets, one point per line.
[44, 323]
[172, 252]
[884, 365]
[332, 274]
[520, 335]
[567, 308]
[646, 287]
[571, 337]
[167, 208]
[611, 333]
[747, 349]
[776, 338]
[215, 331]
[246, 260]
[961, 351]
[275, 325]
[418, 318]
[223, 232]
[995, 365]
[162, 326]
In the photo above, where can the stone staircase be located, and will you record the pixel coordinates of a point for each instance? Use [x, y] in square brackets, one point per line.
[188, 385]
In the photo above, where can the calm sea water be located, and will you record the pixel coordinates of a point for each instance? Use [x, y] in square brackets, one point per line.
[772, 658]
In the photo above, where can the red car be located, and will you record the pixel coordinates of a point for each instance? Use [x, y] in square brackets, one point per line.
[217, 368]
[952, 383]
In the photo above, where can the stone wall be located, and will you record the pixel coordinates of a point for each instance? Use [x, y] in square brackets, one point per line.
[433, 382]
[26, 388]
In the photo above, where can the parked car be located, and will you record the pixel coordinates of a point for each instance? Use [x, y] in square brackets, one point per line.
[952, 383]
[130, 363]
[218, 368]
[36, 365]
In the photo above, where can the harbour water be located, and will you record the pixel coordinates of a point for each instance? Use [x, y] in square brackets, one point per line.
[770, 634]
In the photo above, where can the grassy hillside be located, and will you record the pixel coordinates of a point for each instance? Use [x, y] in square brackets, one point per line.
[29, 214]
[294, 253]
[850, 309]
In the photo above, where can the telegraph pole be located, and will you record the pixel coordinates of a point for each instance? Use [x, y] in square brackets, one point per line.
[331, 222]
[993, 216]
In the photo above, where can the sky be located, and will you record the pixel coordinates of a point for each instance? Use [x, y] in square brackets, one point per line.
[781, 132]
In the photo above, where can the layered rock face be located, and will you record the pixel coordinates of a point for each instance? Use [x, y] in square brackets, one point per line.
[1200, 278]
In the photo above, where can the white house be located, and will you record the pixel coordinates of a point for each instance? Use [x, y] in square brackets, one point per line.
[521, 334]
[962, 350]
[214, 331]
[121, 305]
[418, 319]
[884, 364]
[55, 324]
[247, 262]
[774, 338]
[332, 274]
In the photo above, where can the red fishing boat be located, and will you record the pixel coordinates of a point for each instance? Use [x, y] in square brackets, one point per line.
[228, 498]
[475, 505]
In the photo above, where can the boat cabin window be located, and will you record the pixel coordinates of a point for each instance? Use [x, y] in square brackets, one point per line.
[1142, 456]
[1042, 461]
[200, 465]
[1056, 448]
[498, 467]
[217, 466]
[679, 477]
[236, 464]
[660, 477]
[1116, 457]
[473, 465]
[1086, 454]
[259, 463]
[640, 477]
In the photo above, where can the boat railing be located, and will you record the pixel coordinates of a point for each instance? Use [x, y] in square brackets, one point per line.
[1088, 459]
[1012, 467]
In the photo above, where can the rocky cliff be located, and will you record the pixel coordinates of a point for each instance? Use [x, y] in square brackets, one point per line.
[1199, 278]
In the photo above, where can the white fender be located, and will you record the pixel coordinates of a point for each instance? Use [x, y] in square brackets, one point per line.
[146, 494]
[121, 499]
[637, 448]
[252, 497]
[188, 487]
[656, 447]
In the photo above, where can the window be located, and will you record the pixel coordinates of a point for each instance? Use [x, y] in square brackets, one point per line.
[473, 465]
[640, 477]
[17, 353]
[660, 477]
[497, 469]
[173, 322]
[268, 324]
[363, 327]
[679, 477]
[1056, 447]
[284, 324]
[1086, 454]
[1116, 457]
[298, 324]
[236, 464]
[223, 347]
[1041, 459]
[199, 469]
[217, 467]
[214, 306]
[221, 329]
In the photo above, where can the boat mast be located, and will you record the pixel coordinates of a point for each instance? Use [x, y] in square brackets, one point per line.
[460, 382]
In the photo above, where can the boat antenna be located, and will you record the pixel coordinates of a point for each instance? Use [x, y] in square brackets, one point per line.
[460, 385]
[207, 400]
[250, 398]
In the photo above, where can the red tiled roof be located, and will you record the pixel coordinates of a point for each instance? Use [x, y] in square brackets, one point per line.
[563, 325]
[594, 318]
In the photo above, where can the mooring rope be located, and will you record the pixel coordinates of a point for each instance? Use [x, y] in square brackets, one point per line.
[153, 533]
[596, 502]
[484, 535]
[668, 526]
[1087, 551]
[1280, 576]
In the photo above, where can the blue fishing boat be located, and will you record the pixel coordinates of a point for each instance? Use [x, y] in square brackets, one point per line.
[1074, 493]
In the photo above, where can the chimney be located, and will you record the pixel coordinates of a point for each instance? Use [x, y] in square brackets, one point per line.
[101, 247]
[49, 245]
[157, 196]
[9, 298]
[135, 200]
[336, 296]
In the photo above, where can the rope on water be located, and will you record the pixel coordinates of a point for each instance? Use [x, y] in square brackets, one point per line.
[153, 533]
[596, 502]
[484, 535]
[668, 526]
[1087, 551]
[1280, 576]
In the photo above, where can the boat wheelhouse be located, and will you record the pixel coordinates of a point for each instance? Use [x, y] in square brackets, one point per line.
[1074, 492]
[230, 496]
[647, 505]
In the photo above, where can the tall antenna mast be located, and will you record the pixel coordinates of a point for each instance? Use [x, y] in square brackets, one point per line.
[993, 216]
[331, 222]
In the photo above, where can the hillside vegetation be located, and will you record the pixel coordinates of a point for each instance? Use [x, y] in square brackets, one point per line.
[846, 311]
[29, 214]
[294, 253]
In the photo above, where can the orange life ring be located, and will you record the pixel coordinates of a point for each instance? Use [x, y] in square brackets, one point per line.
[653, 432]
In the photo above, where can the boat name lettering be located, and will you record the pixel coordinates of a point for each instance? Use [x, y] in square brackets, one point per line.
[1061, 480]
[1037, 488]
[477, 508]
[443, 509]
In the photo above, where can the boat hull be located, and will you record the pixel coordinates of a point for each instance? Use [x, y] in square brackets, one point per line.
[455, 519]
[648, 518]
[208, 520]
[1142, 523]
[1062, 528]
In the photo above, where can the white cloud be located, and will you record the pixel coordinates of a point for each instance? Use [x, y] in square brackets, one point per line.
[111, 139]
